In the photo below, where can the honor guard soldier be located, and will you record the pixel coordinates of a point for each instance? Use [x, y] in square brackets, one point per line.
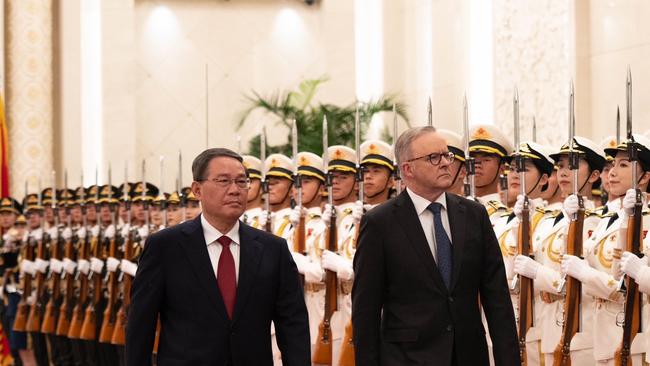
[377, 163]
[143, 196]
[457, 167]
[538, 167]
[190, 204]
[254, 209]
[307, 254]
[10, 221]
[279, 174]
[608, 144]
[599, 272]
[174, 212]
[490, 149]
[550, 242]
[349, 210]
[91, 208]
[158, 207]
[125, 195]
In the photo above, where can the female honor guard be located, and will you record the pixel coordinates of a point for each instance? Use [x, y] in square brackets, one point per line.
[598, 271]
[538, 166]
[454, 144]
[549, 241]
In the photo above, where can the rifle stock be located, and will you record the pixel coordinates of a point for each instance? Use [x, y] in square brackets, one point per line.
[108, 323]
[89, 326]
[632, 308]
[78, 312]
[22, 312]
[52, 307]
[65, 310]
[526, 293]
[323, 350]
[35, 315]
[347, 347]
[571, 321]
[119, 333]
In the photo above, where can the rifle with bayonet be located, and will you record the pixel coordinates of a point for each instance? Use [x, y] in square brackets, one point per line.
[35, 314]
[526, 294]
[51, 309]
[265, 184]
[572, 286]
[299, 235]
[22, 311]
[397, 179]
[632, 308]
[66, 307]
[110, 312]
[470, 163]
[89, 326]
[119, 334]
[323, 350]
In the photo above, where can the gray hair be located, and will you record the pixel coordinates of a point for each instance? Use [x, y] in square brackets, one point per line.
[404, 141]
[201, 162]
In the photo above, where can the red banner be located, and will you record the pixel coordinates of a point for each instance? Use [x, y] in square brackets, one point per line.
[4, 152]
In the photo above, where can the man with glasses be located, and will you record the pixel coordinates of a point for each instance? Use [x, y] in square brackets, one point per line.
[417, 288]
[217, 283]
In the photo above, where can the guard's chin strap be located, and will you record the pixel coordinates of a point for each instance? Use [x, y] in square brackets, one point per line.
[535, 186]
[456, 175]
[495, 176]
[315, 193]
[286, 194]
[382, 190]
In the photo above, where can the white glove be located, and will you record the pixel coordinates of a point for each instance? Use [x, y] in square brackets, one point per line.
[128, 267]
[84, 266]
[36, 234]
[143, 232]
[8, 239]
[327, 214]
[56, 265]
[94, 231]
[264, 217]
[338, 264]
[112, 264]
[571, 205]
[27, 266]
[109, 233]
[41, 265]
[631, 265]
[519, 206]
[526, 266]
[629, 201]
[69, 265]
[301, 261]
[357, 212]
[53, 233]
[96, 265]
[66, 234]
[81, 233]
[294, 216]
[125, 230]
[574, 267]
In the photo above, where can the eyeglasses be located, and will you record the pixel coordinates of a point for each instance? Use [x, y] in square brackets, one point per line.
[434, 158]
[243, 183]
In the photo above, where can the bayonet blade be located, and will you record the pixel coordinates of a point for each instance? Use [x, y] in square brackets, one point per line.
[429, 114]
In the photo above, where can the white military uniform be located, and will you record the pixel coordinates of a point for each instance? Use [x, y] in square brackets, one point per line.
[252, 217]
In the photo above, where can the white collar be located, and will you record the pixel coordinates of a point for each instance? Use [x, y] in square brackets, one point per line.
[210, 233]
[421, 203]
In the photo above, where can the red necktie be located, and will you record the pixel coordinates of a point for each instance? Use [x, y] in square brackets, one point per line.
[226, 277]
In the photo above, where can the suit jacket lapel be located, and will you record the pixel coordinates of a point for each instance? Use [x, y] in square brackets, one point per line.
[410, 222]
[456, 216]
[250, 253]
[197, 253]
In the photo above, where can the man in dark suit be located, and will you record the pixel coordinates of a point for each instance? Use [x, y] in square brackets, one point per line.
[217, 283]
[425, 263]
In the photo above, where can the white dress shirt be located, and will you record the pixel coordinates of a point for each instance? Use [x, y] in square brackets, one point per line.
[211, 234]
[426, 218]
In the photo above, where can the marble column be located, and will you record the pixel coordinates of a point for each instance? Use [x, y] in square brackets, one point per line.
[29, 92]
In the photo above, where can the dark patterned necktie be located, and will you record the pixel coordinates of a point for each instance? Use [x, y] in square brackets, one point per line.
[444, 252]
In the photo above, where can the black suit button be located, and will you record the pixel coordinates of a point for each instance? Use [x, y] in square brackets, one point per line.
[450, 327]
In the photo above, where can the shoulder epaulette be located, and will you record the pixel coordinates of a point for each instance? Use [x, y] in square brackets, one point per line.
[497, 205]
